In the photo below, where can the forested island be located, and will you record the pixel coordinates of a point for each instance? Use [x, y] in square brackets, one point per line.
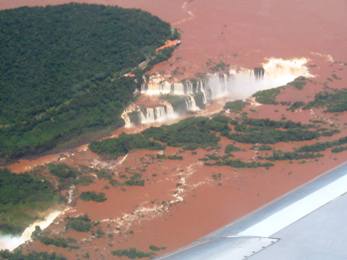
[62, 70]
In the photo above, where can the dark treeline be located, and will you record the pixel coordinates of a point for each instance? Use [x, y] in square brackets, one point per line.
[61, 70]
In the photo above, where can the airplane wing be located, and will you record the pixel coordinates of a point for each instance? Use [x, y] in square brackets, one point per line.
[307, 223]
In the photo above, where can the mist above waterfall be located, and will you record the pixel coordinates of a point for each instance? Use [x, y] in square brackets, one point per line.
[277, 72]
[194, 94]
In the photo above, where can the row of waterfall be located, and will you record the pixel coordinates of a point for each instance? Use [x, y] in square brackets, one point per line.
[181, 97]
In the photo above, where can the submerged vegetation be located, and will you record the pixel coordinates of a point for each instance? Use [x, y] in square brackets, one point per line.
[22, 198]
[74, 82]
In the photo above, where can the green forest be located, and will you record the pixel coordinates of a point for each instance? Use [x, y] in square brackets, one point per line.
[61, 70]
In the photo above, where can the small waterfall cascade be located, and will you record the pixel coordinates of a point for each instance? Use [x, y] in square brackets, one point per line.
[138, 114]
[191, 95]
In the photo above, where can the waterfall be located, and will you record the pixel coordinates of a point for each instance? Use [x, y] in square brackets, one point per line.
[148, 115]
[159, 112]
[11, 242]
[194, 94]
[191, 103]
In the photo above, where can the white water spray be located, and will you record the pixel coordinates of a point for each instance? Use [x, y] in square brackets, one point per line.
[10, 242]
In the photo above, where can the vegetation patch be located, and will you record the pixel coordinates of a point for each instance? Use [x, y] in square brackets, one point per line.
[235, 106]
[66, 175]
[230, 148]
[298, 83]
[135, 180]
[80, 224]
[93, 196]
[124, 144]
[296, 105]
[334, 101]
[267, 96]
[104, 174]
[22, 198]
